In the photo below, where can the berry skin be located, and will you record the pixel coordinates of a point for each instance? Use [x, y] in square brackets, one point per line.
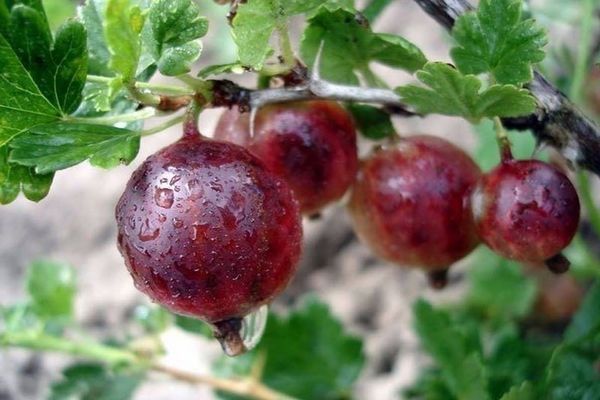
[526, 210]
[311, 144]
[410, 204]
[207, 231]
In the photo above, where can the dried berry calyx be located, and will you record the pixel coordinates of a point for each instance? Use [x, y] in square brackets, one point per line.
[527, 210]
[207, 231]
[410, 204]
[310, 144]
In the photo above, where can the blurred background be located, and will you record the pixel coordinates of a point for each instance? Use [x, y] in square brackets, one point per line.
[75, 224]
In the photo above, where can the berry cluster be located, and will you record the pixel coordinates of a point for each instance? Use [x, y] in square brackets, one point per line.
[211, 228]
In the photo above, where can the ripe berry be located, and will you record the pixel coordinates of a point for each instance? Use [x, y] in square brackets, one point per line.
[207, 231]
[410, 204]
[527, 211]
[311, 144]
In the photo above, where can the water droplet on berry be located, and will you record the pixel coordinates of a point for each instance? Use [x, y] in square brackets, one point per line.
[164, 198]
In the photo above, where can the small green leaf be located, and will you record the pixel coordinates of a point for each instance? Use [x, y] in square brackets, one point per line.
[373, 122]
[58, 11]
[22, 105]
[153, 319]
[122, 28]
[498, 288]
[452, 93]
[522, 392]
[256, 20]
[576, 375]
[176, 27]
[323, 363]
[61, 145]
[51, 287]
[587, 320]
[15, 178]
[375, 8]
[460, 364]
[194, 326]
[495, 39]
[349, 46]
[87, 381]
[92, 17]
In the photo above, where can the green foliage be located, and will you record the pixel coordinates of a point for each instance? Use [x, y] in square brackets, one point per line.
[325, 360]
[256, 20]
[195, 326]
[15, 178]
[495, 39]
[92, 15]
[349, 46]
[61, 145]
[89, 381]
[374, 123]
[176, 27]
[51, 288]
[122, 28]
[451, 93]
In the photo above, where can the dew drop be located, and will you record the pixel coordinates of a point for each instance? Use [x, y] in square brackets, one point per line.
[147, 233]
[164, 198]
[177, 223]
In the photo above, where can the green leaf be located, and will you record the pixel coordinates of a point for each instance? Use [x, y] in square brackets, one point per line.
[452, 93]
[587, 320]
[498, 288]
[15, 178]
[153, 319]
[87, 381]
[375, 8]
[59, 69]
[61, 145]
[523, 145]
[58, 11]
[323, 363]
[522, 392]
[349, 46]
[122, 28]
[194, 326]
[373, 122]
[99, 56]
[51, 287]
[495, 39]
[256, 20]
[176, 27]
[576, 376]
[460, 364]
[22, 105]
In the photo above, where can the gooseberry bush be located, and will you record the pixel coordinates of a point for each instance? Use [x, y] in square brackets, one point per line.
[211, 226]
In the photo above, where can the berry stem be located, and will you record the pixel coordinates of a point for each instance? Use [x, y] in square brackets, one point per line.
[190, 120]
[155, 88]
[144, 113]
[503, 141]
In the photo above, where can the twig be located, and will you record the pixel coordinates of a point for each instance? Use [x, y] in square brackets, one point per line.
[557, 121]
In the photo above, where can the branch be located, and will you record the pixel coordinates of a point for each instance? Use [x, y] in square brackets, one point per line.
[557, 121]
[228, 94]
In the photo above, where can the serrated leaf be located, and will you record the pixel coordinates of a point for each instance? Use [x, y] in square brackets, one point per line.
[522, 392]
[87, 381]
[61, 145]
[58, 68]
[498, 288]
[372, 122]
[51, 287]
[451, 93]
[256, 20]
[99, 56]
[22, 105]
[323, 363]
[122, 28]
[176, 27]
[461, 365]
[15, 178]
[495, 39]
[576, 376]
[349, 46]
